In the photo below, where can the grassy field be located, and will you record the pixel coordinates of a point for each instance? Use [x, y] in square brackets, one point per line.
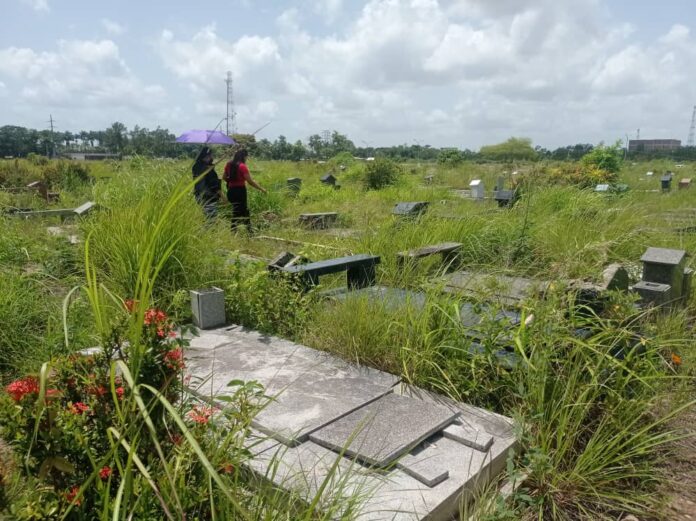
[597, 431]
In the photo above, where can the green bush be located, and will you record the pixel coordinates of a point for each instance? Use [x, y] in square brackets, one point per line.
[380, 173]
[264, 301]
[68, 175]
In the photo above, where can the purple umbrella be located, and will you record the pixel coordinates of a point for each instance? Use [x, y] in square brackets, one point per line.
[206, 137]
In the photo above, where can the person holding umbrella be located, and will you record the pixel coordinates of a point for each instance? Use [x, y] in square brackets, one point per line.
[237, 176]
[208, 188]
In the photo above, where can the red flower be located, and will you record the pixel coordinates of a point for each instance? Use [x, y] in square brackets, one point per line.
[160, 332]
[130, 305]
[78, 408]
[154, 316]
[227, 468]
[176, 439]
[174, 359]
[20, 388]
[201, 414]
[97, 390]
[120, 391]
[71, 494]
[105, 472]
[52, 393]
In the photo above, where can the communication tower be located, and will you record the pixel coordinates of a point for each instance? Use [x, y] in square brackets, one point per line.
[692, 131]
[231, 118]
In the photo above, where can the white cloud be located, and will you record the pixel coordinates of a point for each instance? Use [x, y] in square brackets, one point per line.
[38, 5]
[329, 10]
[79, 73]
[113, 27]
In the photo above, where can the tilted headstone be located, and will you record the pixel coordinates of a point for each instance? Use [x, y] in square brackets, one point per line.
[294, 184]
[412, 209]
[328, 179]
[685, 183]
[428, 179]
[478, 191]
[506, 198]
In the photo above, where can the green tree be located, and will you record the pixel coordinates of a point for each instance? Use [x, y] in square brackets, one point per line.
[515, 148]
[115, 137]
[607, 158]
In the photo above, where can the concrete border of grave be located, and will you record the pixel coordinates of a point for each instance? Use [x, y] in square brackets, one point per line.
[318, 220]
[208, 307]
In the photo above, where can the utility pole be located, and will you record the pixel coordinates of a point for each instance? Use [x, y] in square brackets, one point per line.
[692, 131]
[53, 141]
[231, 115]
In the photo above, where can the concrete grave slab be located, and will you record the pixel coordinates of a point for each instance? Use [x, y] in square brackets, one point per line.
[308, 388]
[505, 289]
[427, 483]
[381, 431]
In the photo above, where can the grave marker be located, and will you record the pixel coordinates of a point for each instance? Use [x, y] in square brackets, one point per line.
[411, 209]
[318, 221]
[685, 183]
[294, 184]
[478, 190]
[665, 266]
[328, 179]
[666, 182]
[208, 307]
[602, 188]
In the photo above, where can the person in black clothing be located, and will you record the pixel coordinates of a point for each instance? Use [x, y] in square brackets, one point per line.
[208, 188]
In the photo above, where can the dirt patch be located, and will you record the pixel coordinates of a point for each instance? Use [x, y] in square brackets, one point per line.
[681, 488]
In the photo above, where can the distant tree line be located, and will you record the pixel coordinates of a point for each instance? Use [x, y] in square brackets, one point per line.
[18, 141]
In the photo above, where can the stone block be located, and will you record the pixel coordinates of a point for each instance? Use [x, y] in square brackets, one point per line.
[478, 190]
[294, 184]
[85, 208]
[318, 221]
[665, 266]
[686, 283]
[602, 188]
[208, 307]
[281, 260]
[426, 464]
[653, 293]
[685, 183]
[468, 436]
[410, 209]
[328, 179]
[383, 430]
[615, 277]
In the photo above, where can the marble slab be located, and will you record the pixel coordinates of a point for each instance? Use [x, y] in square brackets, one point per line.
[383, 430]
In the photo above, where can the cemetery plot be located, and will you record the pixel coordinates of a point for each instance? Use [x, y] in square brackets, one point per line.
[433, 451]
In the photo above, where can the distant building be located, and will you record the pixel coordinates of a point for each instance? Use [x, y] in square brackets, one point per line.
[90, 156]
[653, 145]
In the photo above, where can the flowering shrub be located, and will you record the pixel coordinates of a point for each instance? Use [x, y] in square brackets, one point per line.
[59, 423]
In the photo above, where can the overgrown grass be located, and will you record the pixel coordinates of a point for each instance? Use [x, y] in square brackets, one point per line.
[593, 412]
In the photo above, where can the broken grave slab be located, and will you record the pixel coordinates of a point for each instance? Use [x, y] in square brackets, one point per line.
[307, 389]
[383, 430]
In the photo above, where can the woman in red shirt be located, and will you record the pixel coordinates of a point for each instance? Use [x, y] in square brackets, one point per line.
[237, 176]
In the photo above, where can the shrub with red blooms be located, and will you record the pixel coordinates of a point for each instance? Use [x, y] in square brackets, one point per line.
[64, 438]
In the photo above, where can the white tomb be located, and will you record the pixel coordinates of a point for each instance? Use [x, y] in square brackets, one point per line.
[478, 191]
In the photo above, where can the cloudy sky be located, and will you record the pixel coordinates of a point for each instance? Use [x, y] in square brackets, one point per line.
[448, 73]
